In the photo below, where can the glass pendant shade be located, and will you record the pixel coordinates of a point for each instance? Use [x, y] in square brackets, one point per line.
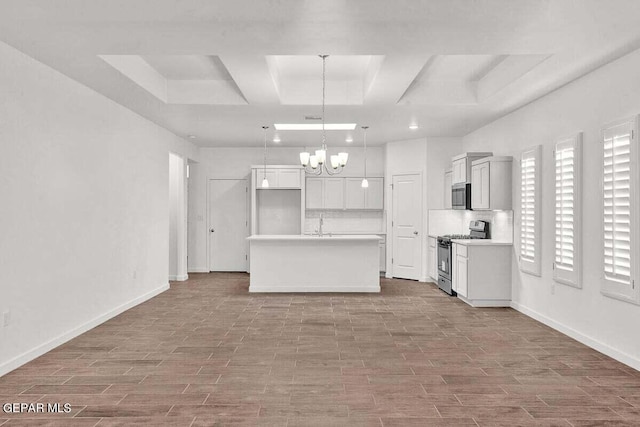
[335, 161]
[304, 158]
[321, 155]
[343, 158]
[313, 161]
[365, 183]
[265, 183]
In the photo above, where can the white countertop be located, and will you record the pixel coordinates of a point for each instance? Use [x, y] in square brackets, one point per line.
[307, 237]
[350, 233]
[480, 242]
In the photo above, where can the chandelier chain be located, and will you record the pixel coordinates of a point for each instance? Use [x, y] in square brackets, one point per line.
[324, 83]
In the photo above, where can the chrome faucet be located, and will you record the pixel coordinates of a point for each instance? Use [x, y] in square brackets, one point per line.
[320, 233]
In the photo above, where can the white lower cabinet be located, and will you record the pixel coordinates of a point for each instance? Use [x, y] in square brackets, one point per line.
[482, 274]
[383, 253]
[433, 258]
[460, 273]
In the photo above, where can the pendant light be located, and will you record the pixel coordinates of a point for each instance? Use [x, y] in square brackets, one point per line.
[265, 182]
[316, 163]
[365, 182]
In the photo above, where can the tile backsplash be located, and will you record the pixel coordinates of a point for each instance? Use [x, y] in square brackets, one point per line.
[457, 222]
[346, 221]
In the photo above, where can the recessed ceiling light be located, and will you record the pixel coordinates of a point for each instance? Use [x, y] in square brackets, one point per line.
[276, 139]
[348, 139]
[314, 126]
[192, 136]
[413, 126]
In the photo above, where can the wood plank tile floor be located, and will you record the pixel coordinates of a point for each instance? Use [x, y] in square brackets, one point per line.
[208, 353]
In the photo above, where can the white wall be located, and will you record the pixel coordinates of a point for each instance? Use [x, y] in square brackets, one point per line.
[439, 154]
[84, 218]
[235, 163]
[602, 96]
[177, 218]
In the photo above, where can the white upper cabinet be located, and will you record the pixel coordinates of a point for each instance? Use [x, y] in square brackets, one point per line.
[289, 178]
[461, 166]
[374, 195]
[491, 183]
[345, 193]
[354, 194]
[272, 177]
[314, 193]
[480, 186]
[459, 171]
[279, 177]
[333, 194]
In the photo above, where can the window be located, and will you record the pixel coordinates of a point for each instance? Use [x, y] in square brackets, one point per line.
[530, 211]
[620, 213]
[567, 264]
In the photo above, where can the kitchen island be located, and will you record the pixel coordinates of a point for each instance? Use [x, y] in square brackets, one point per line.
[312, 263]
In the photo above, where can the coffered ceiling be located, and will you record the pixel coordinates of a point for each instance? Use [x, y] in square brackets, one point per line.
[219, 70]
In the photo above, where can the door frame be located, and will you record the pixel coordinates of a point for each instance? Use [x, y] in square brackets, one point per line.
[247, 211]
[390, 237]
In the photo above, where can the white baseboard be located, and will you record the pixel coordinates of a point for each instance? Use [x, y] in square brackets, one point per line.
[199, 270]
[618, 355]
[38, 351]
[486, 302]
[297, 289]
[180, 278]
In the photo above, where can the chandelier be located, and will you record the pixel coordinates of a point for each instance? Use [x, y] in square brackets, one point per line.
[315, 164]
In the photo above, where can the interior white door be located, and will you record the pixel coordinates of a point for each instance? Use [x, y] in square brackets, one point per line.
[228, 224]
[407, 226]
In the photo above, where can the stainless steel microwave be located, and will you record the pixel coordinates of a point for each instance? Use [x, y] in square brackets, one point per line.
[461, 196]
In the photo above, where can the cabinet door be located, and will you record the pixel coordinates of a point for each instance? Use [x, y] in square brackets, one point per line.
[272, 177]
[455, 172]
[476, 187]
[453, 269]
[461, 274]
[333, 193]
[354, 194]
[374, 195]
[314, 193]
[463, 170]
[383, 256]
[448, 176]
[459, 171]
[433, 262]
[486, 185]
[289, 178]
[480, 186]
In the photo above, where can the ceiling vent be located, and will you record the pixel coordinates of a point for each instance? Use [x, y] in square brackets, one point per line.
[313, 117]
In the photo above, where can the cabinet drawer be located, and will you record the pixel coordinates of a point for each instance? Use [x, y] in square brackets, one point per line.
[462, 250]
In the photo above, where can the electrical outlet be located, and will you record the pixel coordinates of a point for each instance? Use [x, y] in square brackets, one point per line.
[553, 289]
[6, 318]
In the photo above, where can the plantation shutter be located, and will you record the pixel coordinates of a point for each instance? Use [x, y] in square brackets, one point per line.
[617, 203]
[567, 212]
[530, 211]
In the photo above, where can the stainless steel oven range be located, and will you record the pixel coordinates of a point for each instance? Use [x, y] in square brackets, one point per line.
[477, 230]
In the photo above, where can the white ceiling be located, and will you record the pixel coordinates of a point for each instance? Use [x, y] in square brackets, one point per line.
[221, 69]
